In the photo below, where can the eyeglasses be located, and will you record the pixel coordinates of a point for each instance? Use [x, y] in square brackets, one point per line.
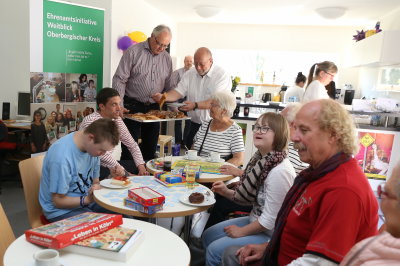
[263, 130]
[215, 105]
[382, 194]
[163, 46]
[332, 75]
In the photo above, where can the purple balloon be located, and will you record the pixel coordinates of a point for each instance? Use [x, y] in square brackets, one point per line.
[124, 43]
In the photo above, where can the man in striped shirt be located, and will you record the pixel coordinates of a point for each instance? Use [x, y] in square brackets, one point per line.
[145, 68]
[109, 102]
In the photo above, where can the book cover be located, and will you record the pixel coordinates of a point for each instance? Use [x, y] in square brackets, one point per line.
[71, 230]
[118, 243]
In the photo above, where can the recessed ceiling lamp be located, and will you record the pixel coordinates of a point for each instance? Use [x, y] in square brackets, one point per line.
[207, 11]
[333, 12]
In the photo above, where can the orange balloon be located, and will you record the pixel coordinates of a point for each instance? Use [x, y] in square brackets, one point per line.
[137, 36]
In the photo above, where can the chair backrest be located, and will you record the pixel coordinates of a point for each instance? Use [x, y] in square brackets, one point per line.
[31, 171]
[6, 233]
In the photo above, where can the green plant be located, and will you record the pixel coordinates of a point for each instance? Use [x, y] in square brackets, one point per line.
[235, 83]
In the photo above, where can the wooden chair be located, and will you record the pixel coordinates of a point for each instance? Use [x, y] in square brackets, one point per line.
[165, 140]
[31, 171]
[6, 232]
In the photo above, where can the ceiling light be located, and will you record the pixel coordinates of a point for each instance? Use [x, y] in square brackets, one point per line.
[207, 11]
[331, 12]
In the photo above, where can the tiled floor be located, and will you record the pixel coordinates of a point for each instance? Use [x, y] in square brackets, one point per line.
[13, 201]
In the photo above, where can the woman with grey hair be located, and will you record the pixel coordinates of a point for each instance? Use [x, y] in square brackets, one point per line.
[221, 134]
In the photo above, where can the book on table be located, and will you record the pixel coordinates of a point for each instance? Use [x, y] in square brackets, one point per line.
[118, 244]
[73, 229]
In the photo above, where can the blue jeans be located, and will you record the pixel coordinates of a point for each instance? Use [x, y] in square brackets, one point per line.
[215, 241]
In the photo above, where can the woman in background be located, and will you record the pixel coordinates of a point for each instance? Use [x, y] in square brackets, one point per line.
[76, 93]
[83, 83]
[324, 74]
[295, 93]
[50, 124]
[221, 134]
[60, 120]
[90, 92]
[38, 133]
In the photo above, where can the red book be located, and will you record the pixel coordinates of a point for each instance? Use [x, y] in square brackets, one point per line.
[71, 230]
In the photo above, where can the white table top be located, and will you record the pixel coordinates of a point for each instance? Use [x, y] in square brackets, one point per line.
[204, 177]
[159, 247]
[112, 199]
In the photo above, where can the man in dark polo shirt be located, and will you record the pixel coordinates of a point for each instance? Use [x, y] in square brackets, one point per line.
[145, 69]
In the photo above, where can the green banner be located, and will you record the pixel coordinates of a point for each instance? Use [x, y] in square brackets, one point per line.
[73, 39]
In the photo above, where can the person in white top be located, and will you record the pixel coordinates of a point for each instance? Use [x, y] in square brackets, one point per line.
[175, 79]
[324, 74]
[198, 85]
[295, 93]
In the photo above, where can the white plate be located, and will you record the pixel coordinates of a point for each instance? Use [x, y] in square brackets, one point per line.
[218, 161]
[107, 183]
[176, 104]
[208, 200]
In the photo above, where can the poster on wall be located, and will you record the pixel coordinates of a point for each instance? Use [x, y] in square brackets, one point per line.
[66, 63]
[375, 153]
[66, 50]
[73, 38]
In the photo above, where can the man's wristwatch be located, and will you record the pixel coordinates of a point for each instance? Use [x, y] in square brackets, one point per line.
[195, 106]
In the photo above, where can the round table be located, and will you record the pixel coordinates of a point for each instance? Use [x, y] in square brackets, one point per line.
[112, 199]
[204, 177]
[170, 249]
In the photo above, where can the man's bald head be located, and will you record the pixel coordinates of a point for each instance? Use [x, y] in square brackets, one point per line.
[203, 60]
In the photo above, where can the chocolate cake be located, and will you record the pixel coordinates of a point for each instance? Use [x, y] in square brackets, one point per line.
[196, 198]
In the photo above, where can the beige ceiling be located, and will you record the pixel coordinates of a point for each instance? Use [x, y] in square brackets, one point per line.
[286, 12]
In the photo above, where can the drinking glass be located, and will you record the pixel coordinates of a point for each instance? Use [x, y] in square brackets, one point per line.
[167, 163]
[190, 179]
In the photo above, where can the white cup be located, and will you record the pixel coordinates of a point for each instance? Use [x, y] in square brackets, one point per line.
[47, 257]
[191, 154]
[214, 156]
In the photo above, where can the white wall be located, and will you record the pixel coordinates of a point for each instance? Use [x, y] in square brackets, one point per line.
[267, 37]
[14, 47]
[136, 15]
[14, 51]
